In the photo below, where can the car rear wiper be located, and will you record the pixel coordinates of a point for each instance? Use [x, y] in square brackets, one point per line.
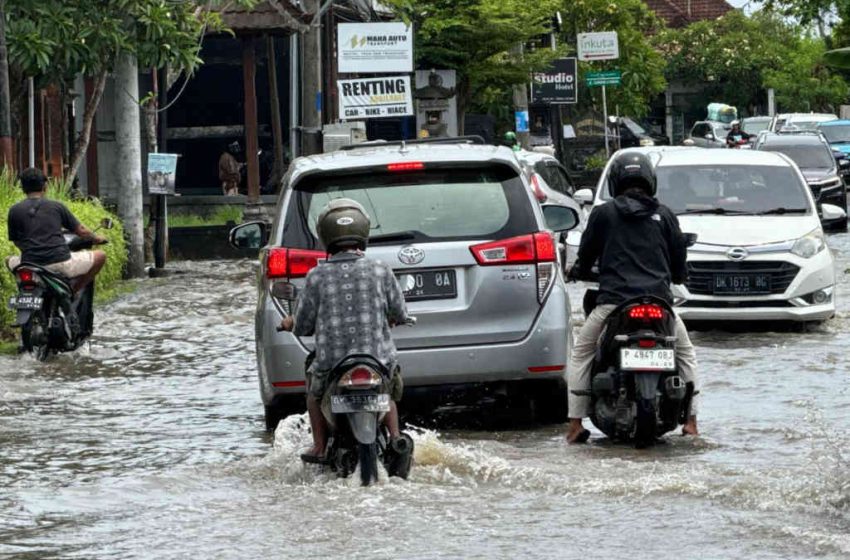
[782, 210]
[390, 237]
[712, 211]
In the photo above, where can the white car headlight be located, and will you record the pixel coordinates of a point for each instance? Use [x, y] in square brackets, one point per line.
[647, 142]
[810, 245]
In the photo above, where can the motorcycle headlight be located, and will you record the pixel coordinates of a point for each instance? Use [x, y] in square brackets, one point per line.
[647, 142]
[809, 245]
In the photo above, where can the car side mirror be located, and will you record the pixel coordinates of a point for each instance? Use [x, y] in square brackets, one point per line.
[690, 239]
[107, 223]
[583, 196]
[251, 235]
[831, 212]
[560, 218]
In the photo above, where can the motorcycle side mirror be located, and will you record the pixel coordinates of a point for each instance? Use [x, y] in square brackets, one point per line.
[285, 291]
[251, 235]
[690, 239]
[107, 223]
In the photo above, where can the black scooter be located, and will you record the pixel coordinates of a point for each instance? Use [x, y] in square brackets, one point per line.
[52, 318]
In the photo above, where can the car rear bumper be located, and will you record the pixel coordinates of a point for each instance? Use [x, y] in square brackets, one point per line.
[541, 354]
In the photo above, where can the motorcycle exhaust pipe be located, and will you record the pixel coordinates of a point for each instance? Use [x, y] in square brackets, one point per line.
[402, 444]
[675, 388]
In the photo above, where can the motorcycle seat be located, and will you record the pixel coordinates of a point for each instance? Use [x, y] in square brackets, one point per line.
[41, 270]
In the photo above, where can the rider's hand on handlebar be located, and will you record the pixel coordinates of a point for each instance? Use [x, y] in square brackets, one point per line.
[286, 324]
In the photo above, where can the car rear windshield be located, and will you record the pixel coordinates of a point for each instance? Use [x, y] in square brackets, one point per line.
[733, 188]
[836, 133]
[754, 127]
[811, 156]
[442, 204]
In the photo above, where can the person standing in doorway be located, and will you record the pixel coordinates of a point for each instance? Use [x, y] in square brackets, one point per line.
[229, 169]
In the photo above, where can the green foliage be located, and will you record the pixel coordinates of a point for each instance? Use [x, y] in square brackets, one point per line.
[478, 38]
[221, 216]
[735, 58]
[642, 66]
[89, 212]
[804, 83]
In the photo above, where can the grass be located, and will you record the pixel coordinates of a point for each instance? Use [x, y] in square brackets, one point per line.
[222, 216]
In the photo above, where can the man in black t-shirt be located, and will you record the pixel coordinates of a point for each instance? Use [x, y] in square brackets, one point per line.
[36, 227]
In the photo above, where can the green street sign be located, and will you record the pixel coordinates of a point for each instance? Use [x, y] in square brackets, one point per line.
[607, 78]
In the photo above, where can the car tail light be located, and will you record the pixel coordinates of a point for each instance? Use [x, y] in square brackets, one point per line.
[360, 377]
[646, 312]
[291, 263]
[538, 190]
[406, 166]
[536, 248]
[525, 249]
[646, 343]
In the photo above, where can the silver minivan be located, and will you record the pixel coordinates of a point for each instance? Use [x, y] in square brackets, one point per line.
[474, 255]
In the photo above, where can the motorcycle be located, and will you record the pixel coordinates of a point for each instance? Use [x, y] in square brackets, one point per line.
[51, 317]
[637, 394]
[354, 405]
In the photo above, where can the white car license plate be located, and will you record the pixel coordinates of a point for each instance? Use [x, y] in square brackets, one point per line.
[343, 404]
[25, 302]
[648, 359]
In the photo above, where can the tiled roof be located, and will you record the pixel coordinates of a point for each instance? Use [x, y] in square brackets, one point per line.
[678, 13]
[266, 15]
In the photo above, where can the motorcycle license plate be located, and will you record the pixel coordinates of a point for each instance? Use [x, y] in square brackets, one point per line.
[647, 359]
[25, 302]
[343, 404]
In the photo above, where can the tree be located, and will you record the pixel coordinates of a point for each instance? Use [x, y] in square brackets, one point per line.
[56, 40]
[475, 38]
[641, 65]
[804, 82]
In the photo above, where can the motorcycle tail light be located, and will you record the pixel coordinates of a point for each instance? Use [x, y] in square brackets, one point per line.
[25, 276]
[360, 377]
[646, 312]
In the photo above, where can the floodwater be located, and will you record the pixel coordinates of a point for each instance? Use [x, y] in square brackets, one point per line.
[149, 444]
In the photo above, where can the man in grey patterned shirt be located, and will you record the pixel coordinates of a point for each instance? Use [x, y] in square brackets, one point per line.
[348, 304]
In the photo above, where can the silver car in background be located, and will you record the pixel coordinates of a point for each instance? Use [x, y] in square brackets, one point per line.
[470, 246]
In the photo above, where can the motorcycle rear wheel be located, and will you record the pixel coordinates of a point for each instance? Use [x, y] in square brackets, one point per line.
[368, 459]
[35, 337]
[645, 424]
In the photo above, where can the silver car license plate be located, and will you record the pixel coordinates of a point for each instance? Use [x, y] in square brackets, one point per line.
[647, 359]
[344, 404]
[25, 302]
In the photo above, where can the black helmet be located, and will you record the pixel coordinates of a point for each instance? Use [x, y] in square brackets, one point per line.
[631, 170]
[343, 224]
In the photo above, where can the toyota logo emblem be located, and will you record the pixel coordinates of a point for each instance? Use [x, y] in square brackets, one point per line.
[411, 255]
[737, 253]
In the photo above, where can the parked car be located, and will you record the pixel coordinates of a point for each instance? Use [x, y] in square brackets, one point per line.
[708, 134]
[837, 133]
[760, 251]
[799, 121]
[633, 135]
[815, 158]
[472, 250]
[754, 125]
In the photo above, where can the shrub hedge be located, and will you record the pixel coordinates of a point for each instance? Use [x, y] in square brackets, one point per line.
[89, 212]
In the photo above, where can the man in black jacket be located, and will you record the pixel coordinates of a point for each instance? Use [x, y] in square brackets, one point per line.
[640, 251]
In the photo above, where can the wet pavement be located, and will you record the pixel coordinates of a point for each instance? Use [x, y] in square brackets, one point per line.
[150, 444]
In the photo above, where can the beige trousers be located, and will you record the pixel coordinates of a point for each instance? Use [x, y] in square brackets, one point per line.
[584, 350]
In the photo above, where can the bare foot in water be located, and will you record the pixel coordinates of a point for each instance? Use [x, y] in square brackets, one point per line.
[690, 427]
[576, 432]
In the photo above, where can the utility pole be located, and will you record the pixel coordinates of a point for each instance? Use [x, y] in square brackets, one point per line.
[128, 161]
[520, 98]
[5, 101]
[311, 83]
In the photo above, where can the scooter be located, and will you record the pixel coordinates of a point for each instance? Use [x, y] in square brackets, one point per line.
[51, 317]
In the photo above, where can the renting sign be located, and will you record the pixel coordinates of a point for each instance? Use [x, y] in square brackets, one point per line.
[375, 97]
[374, 48]
[598, 46]
[556, 85]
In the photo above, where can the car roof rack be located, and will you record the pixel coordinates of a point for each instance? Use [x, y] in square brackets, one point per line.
[469, 139]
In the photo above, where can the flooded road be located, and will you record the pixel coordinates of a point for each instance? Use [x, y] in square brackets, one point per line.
[150, 444]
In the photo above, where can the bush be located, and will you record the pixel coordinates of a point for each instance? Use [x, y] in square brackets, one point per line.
[89, 212]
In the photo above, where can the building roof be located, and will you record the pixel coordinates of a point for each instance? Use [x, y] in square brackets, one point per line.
[286, 15]
[679, 13]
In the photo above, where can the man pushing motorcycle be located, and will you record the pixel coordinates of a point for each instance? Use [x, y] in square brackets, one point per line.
[640, 251]
[349, 303]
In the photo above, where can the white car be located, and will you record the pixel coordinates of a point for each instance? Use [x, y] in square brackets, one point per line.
[761, 253]
[792, 122]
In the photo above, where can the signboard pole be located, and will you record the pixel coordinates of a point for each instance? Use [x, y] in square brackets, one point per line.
[605, 117]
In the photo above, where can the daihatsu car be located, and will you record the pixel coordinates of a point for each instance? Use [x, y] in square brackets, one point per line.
[476, 255]
[760, 253]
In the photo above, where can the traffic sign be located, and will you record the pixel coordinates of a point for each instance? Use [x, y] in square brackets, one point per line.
[598, 46]
[607, 78]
